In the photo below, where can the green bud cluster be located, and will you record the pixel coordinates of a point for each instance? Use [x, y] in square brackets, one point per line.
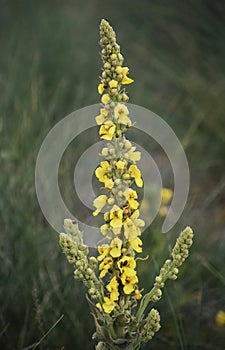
[110, 53]
[180, 251]
[112, 63]
[151, 325]
[77, 254]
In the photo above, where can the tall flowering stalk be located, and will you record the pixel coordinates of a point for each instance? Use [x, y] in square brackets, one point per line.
[117, 304]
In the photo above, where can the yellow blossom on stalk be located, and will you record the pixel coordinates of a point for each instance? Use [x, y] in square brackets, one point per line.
[113, 83]
[107, 130]
[124, 71]
[132, 231]
[121, 114]
[136, 244]
[105, 99]
[120, 164]
[107, 306]
[136, 174]
[112, 287]
[101, 88]
[116, 217]
[105, 265]
[103, 251]
[132, 155]
[100, 119]
[127, 264]
[138, 294]
[115, 247]
[104, 229]
[131, 197]
[128, 282]
[99, 203]
[103, 174]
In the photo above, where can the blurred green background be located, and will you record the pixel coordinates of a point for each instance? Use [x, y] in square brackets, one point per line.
[49, 67]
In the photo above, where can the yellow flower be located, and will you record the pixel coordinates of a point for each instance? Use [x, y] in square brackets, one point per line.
[128, 282]
[107, 306]
[138, 294]
[166, 196]
[109, 183]
[113, 84]
[121, 114]
[101, 117]
[127, 264]
[132, 231]
[101, 88]
[103, 251]
[136, 174]
[220, 318]
[125, 79]
[116, 246]
[116, 217]
[120, 164]
[103, 171]
[133, 156]
[112, 287]
[135, 218]
[105, 265]
[105, 99]
[99, 203]
[107, 130]
[163, 211]
[131, 195]
[119, 70]
[104, 229]
[136, 244]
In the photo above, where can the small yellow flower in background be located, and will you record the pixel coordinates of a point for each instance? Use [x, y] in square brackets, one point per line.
[107, 130]
[166, 195]
[101, 88]
[220, 318]
[105, 99]
[115, 247]
[99, 203]
[136, 174]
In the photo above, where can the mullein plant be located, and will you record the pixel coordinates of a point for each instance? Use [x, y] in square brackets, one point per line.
[123, 317]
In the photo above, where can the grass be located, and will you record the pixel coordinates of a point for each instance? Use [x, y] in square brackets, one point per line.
[49, 67]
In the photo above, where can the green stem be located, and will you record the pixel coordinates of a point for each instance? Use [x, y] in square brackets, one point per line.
[112, 331]
[147, 298]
